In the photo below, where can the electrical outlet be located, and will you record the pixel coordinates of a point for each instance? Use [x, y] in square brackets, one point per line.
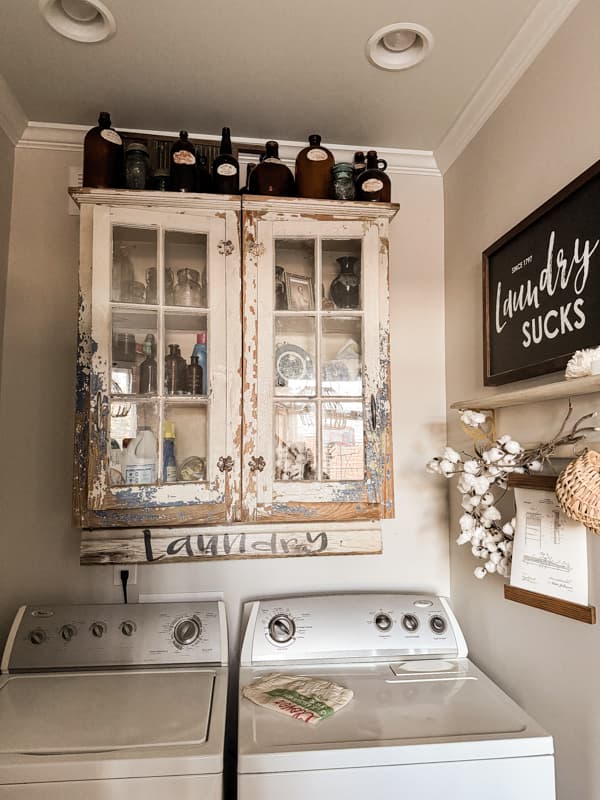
[131, 581]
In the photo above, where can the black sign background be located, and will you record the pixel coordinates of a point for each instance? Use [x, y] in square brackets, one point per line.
[539, 304]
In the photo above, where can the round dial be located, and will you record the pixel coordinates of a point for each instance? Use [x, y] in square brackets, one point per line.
[410, 622]
[67, 632]
[383, 621]
[187, 631]
[127, 627]
[98, 629]
[438, 624]
[282, 629]
[37, 636]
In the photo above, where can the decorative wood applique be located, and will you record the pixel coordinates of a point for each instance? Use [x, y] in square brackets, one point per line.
[541, 286]
[164, 545]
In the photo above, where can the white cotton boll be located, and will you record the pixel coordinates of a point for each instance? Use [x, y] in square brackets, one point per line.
[502, 570]
[513, 447]
[492, 455]
[463, 538]
[496, 558]
[535, 466]
[481, 485]
[466, 522]
[475, 500]
[502, 547]
[508, 529]
[504, 439]
[451, 455]
[505, 564]
[519, 470]
[487, 523]
[508, 461]
[472, 419]
[498, 537]
[491, 514]
[580, 363]
[466, 502]
[471, 466]
[490, 546]
[477, 551]
[487, 499]
[490, 566]
[477, 534]
[480, 572]
[447, 467]
[433, 466]
[465, 483]
[493, 471]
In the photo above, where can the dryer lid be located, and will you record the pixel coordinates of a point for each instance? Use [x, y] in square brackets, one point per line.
[50, 714]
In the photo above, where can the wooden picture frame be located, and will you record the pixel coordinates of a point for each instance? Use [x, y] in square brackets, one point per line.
[554, 605]
[541, 286]
[300, 294]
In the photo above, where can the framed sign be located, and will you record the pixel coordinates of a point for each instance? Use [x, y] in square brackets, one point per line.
[541, 286]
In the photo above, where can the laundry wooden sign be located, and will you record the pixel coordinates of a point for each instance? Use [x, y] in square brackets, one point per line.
[541, 286]
[164, 545]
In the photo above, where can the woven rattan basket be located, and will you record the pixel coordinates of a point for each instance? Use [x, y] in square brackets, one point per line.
[578, 490]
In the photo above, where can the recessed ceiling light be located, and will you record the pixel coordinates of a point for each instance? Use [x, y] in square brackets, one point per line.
[399, 46]
[80, 20]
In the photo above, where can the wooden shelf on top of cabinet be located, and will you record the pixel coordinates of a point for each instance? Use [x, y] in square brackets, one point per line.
[533, 394]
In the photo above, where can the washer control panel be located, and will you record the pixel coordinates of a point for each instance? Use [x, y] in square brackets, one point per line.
[141, 634]
[352, 627]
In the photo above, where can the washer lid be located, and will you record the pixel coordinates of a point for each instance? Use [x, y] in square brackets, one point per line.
[54, 713]
[395, 717]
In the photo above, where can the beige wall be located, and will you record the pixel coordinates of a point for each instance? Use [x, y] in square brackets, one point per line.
[7, 157]
[544, 134]
[40, 557]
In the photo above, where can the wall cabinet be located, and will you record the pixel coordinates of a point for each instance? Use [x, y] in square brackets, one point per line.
[285, 304]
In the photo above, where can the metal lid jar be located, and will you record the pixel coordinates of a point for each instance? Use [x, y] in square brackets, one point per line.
[137, 162]
[343, 181]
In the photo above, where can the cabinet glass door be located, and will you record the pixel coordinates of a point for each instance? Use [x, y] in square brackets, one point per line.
[315, 380]
[159, 416]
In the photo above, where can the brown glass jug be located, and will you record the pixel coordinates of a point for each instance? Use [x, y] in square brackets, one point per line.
[271, 176]
[183, 165]
[313, 170]
[372, 183]
[102, 155]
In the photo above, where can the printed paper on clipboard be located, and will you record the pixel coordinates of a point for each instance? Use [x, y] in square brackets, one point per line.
[549, 550]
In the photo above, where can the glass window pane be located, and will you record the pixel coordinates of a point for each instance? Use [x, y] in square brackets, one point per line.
[134, 337]
[295, 348]
[186, 362]
[341, 356]
[295, 441]
[184, 443]
[134, 260]
[294, 274]
[341, 266]
[133, 442]
[185, 269]
[343, 446]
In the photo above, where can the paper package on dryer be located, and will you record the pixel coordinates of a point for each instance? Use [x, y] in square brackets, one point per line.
[306, 699]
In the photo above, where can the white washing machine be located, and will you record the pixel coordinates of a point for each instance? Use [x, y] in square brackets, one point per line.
[424, 722]
[114, 701]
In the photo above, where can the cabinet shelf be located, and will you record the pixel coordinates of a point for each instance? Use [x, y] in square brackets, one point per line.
[533, 394]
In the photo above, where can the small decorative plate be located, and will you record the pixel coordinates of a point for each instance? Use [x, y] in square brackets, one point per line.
[292, 363]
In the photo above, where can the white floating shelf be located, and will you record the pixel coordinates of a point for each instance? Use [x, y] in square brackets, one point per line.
[533, 394]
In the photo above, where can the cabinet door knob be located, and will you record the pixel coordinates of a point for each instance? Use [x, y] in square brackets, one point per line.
[257, 464]
[225, 463]
[373, 413]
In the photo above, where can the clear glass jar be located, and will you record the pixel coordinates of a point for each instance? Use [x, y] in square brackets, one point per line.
[343, 182]
[188, 291]
[137, 162]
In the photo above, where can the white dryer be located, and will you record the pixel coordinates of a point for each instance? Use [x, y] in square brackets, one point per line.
[114, 701]
[424, 721]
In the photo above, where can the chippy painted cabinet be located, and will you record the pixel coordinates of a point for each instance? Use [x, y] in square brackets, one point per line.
[233, 371]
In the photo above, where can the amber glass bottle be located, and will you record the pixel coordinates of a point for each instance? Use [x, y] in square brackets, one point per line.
[313, 170]
[183, 165]
[103, 155]
[225, 168]
[271, 176]
[373, 183]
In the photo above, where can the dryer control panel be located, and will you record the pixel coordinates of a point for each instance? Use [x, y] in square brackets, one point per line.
[100, 636]
[352, 628]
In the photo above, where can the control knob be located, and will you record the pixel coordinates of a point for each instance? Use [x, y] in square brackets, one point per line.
[187, 631]
[37, 636]
[282, 629]
[383, 622]
[67, 632]
[98, 629]
[127, 627]
[410, 623]
[438, 624]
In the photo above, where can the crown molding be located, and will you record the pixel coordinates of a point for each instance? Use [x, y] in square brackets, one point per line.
[12, 117]
[535, 33]
[51, 136]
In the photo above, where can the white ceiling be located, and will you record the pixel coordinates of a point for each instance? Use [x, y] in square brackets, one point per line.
[269, 69]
